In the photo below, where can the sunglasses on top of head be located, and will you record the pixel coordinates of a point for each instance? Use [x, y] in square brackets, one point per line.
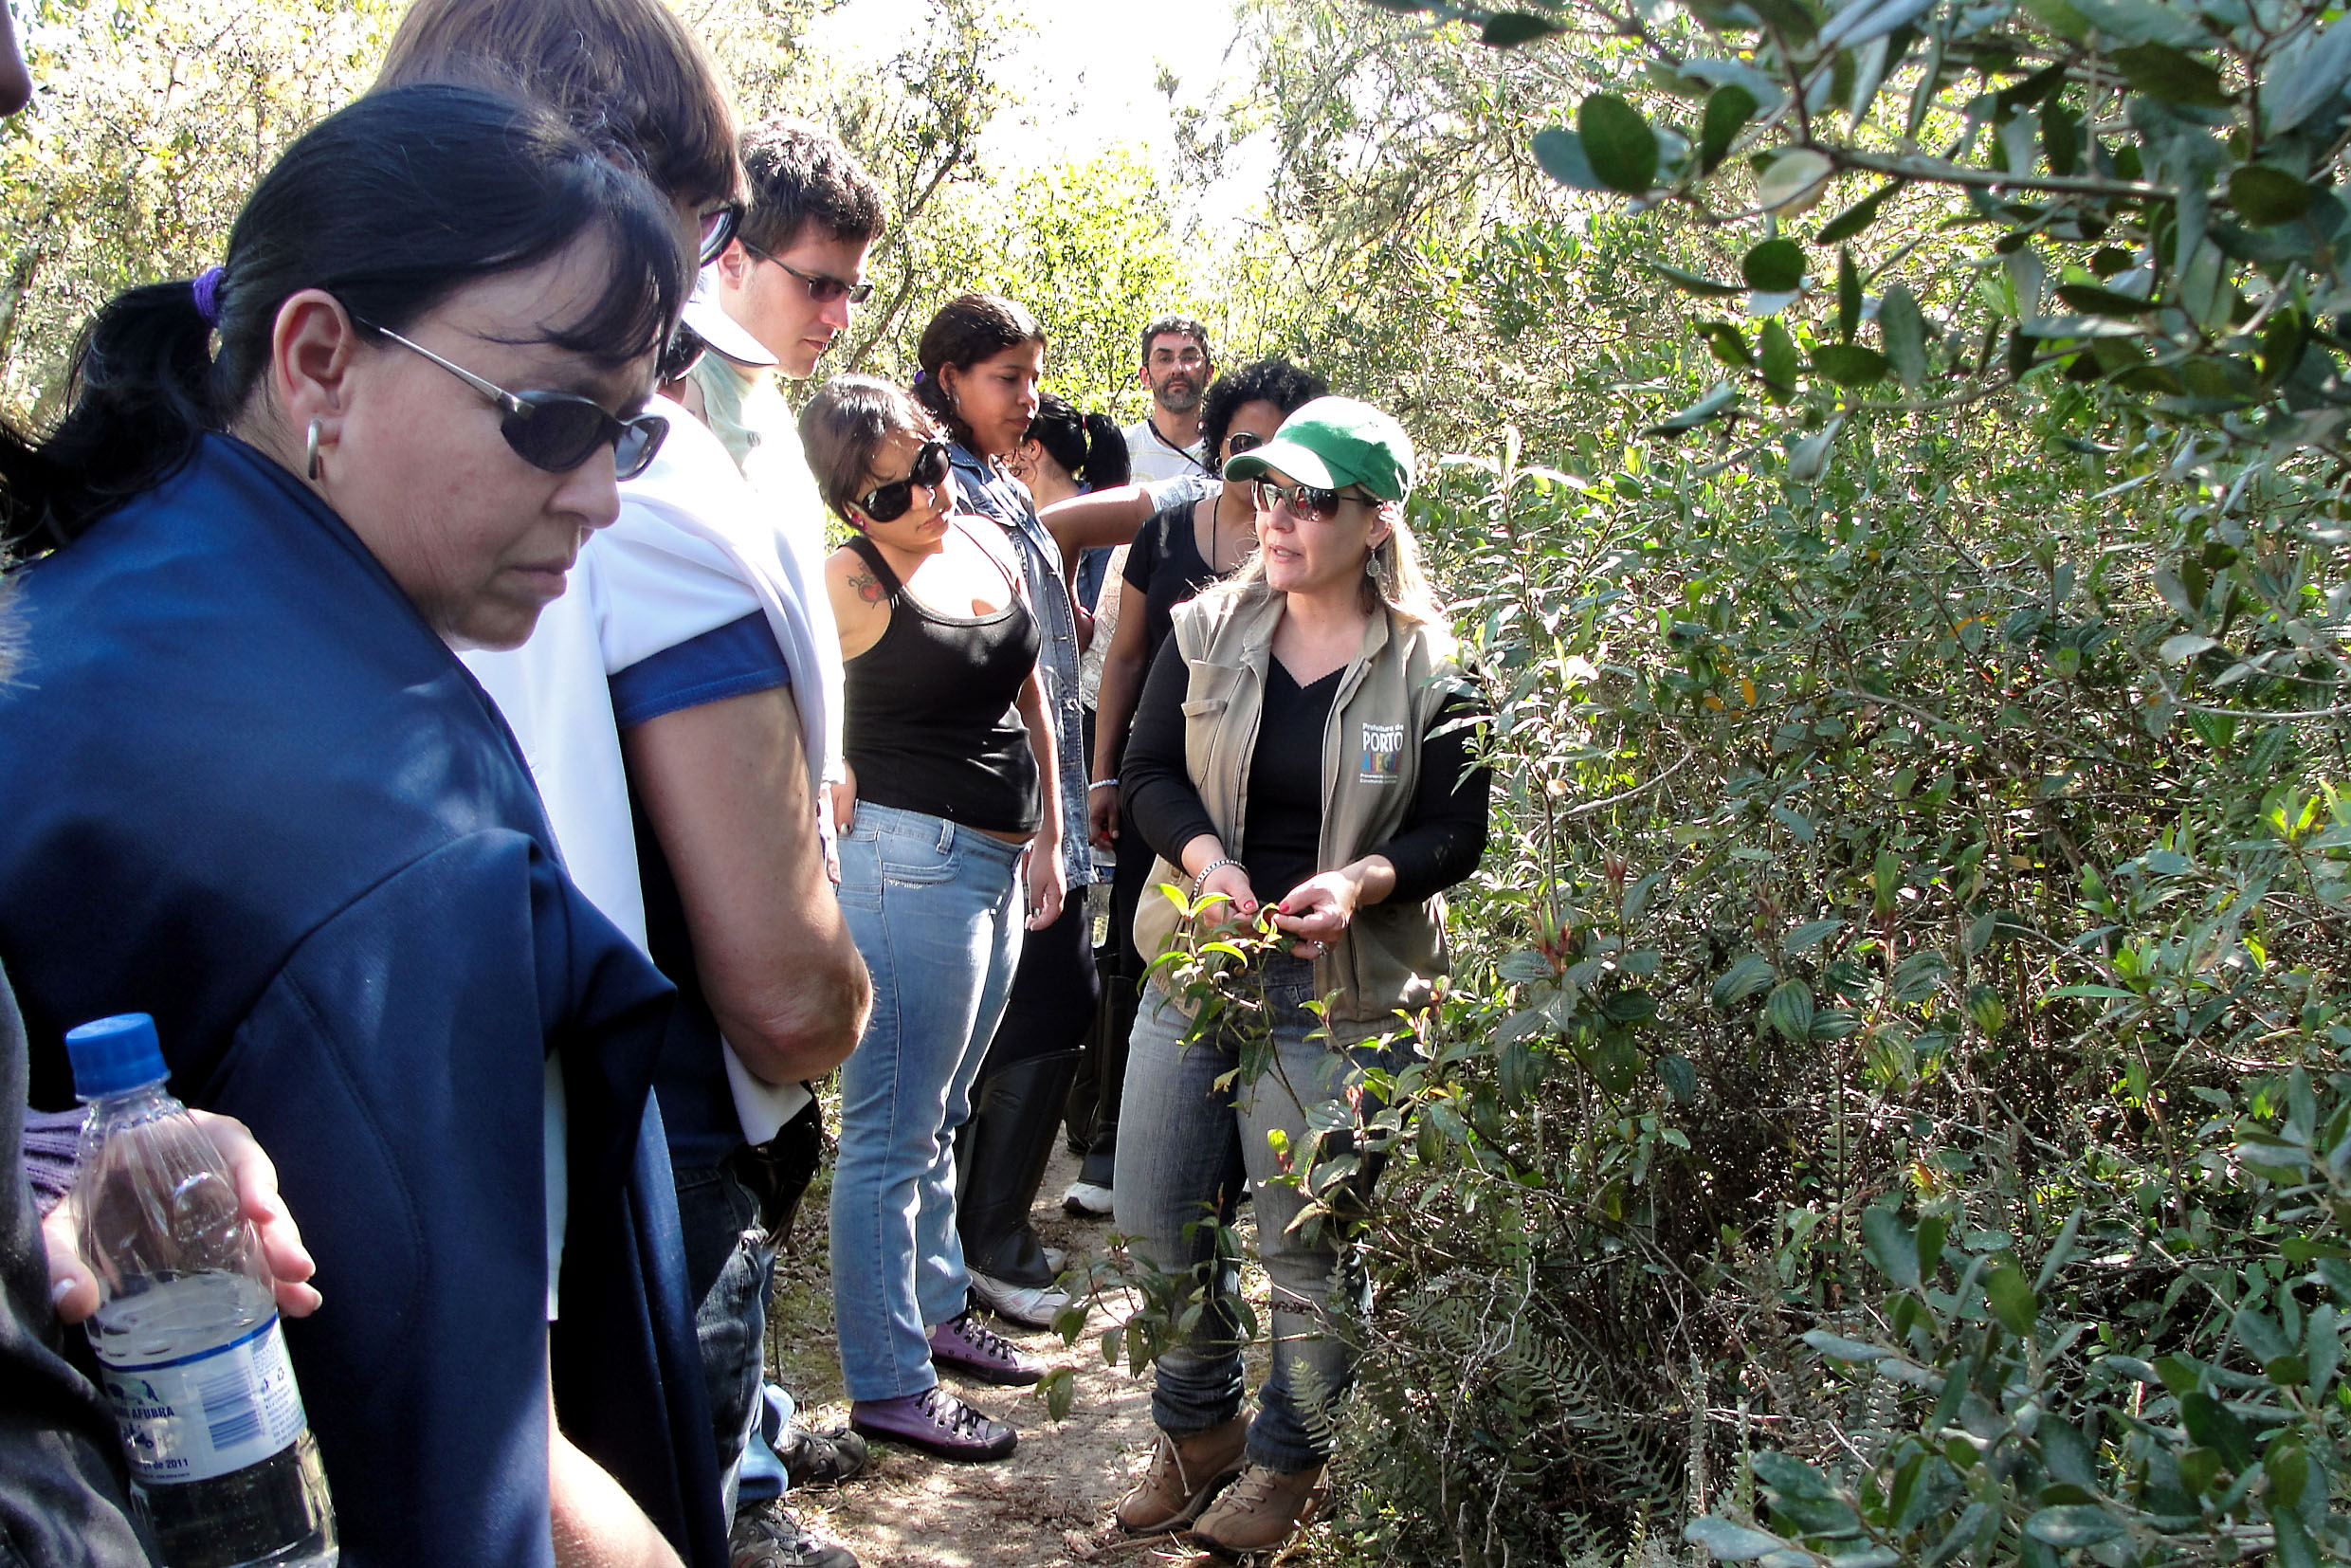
[1305, 500]
[555, 431]
[888, 502]
[719, 225]
[822, 287]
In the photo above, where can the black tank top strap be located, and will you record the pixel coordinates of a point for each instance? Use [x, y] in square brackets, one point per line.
[871, 555]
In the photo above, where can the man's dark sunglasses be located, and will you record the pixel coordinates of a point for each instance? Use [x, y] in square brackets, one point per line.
[888, 502]
[719, 226]
[555, 431]
[1305, 500]
[822, 288]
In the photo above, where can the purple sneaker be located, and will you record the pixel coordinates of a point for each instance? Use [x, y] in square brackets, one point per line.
[976, 1350]
[938, 1423]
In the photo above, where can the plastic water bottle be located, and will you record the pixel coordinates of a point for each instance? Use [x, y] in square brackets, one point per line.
[188, 1345]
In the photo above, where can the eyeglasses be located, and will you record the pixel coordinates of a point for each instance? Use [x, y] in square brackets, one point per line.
[555, 431]
[1305, 500]
[822, 288]
[719, 225]
[1243, 441]
[888, 502]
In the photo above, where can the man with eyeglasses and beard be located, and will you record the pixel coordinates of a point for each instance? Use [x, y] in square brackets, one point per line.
[1177, 367]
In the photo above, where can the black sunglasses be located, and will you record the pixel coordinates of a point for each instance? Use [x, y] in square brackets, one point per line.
[822, 288]
[1305, 500]
[719, 225]
[886, 502]
[680, 354]
[555, 431]
[1243, 441]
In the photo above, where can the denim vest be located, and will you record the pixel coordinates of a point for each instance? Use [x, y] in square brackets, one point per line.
[992, 494]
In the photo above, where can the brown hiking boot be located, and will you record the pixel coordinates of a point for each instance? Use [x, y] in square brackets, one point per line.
[1184, 1474]
[1262, 1510]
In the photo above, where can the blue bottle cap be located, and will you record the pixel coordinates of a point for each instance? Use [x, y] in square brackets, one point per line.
[115, 1054]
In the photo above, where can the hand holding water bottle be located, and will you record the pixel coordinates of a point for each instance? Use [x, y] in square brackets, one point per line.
[187, 1331]
[73, 1287]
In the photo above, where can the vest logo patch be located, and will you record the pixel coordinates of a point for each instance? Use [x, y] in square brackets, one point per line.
[1383, 754]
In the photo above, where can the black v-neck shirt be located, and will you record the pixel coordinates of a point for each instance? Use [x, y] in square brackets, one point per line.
[1284, 832]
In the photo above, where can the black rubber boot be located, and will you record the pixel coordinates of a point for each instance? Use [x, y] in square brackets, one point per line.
[1000, 1158]
[1121, 1000]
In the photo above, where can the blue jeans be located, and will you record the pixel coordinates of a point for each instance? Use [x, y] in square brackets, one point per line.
[1177, 1130]
[729, 1259]
[935, 910]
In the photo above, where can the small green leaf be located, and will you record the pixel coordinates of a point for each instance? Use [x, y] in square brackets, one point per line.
[1750, 975]
[1794, 181]
[2268, 195]
[2217, 1428]
[2171, 76]
[1790, 1010]
[1850, 364]
[1693, 282]
[1060, 1387]
[1679, 1077]
[1849, 294]
[1562, 154]
[2093, 300]
[1837, 1348]
[1858, 216]
[1904, 333]
[1729, 1543]
[1774, 267]
[1729, 345]
[1890, 1246]
[2080, 1525]
[1719, 401]
[1729, 108]
[2011, 1295]
[1621, 147]
[1508, 30]
[1778, 358]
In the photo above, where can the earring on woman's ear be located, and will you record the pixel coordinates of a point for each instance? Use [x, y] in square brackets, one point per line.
[310, 452]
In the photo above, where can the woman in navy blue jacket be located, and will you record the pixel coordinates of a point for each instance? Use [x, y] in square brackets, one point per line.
[247, 787]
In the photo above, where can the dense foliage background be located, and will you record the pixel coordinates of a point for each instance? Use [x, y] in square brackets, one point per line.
[1888, 1108]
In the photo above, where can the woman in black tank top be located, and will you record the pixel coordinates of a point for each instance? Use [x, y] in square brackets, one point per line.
[951, 757]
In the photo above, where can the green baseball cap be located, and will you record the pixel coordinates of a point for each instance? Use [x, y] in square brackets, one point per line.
[1333, 443]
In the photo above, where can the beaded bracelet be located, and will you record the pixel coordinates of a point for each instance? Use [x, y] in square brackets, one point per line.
[1209, 871]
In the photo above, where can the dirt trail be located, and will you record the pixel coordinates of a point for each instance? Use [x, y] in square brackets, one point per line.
[1043, 1508]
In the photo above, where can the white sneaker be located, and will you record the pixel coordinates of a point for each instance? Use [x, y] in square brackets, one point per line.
[1030, 1307]
[1083, 1197]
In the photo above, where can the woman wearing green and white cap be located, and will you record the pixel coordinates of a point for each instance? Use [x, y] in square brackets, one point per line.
[1297, 750]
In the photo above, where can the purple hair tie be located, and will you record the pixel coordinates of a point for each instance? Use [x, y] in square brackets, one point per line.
[921, 376]
[205, 288]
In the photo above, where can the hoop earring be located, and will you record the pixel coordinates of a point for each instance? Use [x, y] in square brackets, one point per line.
[310, 452]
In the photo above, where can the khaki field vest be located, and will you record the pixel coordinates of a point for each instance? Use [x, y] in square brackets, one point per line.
[1391, 952]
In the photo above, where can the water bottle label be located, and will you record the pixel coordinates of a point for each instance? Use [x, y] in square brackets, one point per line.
[194, 1417]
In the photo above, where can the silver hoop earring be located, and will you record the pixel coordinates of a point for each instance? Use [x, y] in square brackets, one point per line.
[310, 454]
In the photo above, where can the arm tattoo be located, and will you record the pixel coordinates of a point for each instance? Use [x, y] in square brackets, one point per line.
[868, 589]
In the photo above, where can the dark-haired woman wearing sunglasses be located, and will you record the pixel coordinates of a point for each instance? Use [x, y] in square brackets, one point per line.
[250, 788]
[946, 735]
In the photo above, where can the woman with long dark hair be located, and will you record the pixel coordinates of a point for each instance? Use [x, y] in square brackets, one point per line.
[250, 790]
[982, 357]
